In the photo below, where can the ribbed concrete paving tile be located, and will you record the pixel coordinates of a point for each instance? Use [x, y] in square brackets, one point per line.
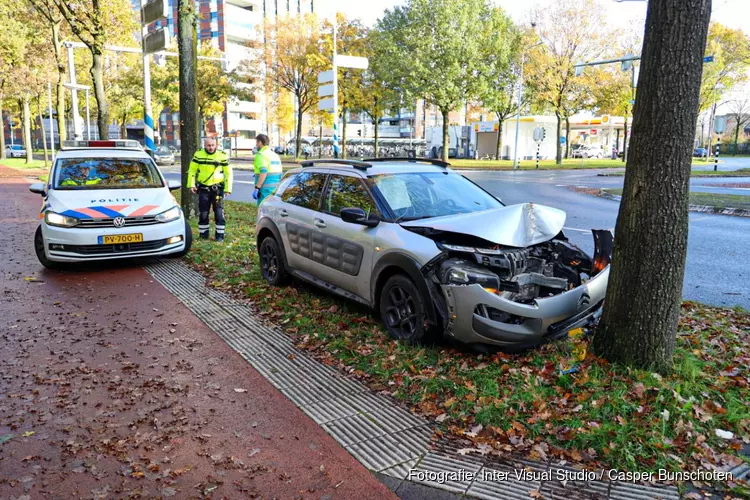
[326, 411]
[628, 491]
[354, 429]
[446, 473]
[390, 450]
[401, 471]
[567, 482]
[494, 483]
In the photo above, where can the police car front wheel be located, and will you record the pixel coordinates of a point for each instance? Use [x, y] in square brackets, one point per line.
[39, 248]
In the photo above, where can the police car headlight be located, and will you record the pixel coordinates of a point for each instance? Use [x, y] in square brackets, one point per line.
[55, 219]
[170, 215]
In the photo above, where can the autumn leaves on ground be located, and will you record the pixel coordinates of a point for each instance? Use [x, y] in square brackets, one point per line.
[697, 417]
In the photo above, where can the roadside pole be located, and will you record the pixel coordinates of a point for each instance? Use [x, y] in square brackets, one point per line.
[51, 132]
[148, 120]
[336, 93]
[73, 95]
[716, 156]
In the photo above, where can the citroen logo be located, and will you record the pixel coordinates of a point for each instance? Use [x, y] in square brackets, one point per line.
[118, 221]
[583, 301]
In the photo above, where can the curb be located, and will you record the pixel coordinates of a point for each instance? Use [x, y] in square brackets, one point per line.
[736, 212]
[386, 438]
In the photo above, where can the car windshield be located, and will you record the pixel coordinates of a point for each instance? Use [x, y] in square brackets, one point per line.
[163, 150]
[18, 148]
[413, 196]
[106, 173]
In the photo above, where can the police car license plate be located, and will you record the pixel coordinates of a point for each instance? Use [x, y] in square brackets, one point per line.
[115, 239]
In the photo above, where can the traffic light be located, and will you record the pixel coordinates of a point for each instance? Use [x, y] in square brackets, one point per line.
[359, 132]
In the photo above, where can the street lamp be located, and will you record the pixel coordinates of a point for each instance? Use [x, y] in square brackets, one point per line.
[518, 114]
[75, 87]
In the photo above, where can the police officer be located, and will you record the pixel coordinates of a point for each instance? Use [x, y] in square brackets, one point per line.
[211, 177]
[267, 167]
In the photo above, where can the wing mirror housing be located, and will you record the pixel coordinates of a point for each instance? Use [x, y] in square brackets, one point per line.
[173, 185]
[358, 216]
[38, 188]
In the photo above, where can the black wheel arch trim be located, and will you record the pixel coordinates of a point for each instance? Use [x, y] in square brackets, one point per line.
[266, 223]
[412, 269]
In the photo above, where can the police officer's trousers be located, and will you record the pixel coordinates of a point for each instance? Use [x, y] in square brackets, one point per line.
[211, 197]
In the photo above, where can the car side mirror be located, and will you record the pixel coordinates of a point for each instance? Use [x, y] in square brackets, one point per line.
[174, 185]
[38, 188]
[358, 216]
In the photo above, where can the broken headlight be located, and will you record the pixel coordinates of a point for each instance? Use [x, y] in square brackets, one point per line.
[467, 275]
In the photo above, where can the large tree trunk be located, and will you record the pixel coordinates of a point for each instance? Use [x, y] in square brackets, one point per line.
[60, 104]
[2, 126]
[44, 134]
[298, 132]
[343, 133]
[558, 154]
[102, 106]
[499, 141]
[189, 122]
[26, 112]
[639, 323]
[625, 139]
[446, 140]
[736, 136]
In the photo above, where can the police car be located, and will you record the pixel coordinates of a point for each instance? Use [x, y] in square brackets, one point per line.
[107, 200]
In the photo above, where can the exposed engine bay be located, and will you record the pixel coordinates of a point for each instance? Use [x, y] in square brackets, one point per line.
[518, 274]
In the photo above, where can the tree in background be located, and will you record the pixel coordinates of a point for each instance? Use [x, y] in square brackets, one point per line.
[572, 32]
[739, 111]
[291, 59]
[13, 41]
[435, 49]
[215, 84]
[282, 111]
[97, 23]
[50, 15]
[500, 72]
[125, 93]
[644, 294]
[165, 89]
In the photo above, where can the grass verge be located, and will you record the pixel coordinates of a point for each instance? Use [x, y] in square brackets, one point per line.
[20, 163]
[743, 172]
[720, 201]
[602, 414]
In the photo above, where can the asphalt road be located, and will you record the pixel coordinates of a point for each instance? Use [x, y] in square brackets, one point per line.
[717, 270]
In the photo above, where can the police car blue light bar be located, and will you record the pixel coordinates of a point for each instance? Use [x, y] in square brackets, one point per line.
[127, 144]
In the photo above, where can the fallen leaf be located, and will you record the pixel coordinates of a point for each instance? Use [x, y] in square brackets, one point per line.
[441, 418]
[724, 434]
[28, 434]
[240, 390]
[535, 494]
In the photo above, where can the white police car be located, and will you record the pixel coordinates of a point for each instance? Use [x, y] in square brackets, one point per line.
[107, 200]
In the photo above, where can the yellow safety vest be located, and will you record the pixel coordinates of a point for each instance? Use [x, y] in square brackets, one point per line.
[210, 169]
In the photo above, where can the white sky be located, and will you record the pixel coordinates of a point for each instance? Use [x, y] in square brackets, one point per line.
[733, 13]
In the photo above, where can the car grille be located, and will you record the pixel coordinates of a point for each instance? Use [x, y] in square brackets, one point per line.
[110, 249]
[146, 220]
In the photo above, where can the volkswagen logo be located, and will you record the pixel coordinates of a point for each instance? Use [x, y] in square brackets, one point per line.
[118, 221]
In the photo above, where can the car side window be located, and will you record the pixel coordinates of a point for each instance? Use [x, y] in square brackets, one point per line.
[347, 192]
[305, 190]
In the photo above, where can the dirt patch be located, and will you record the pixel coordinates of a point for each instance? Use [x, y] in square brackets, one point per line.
[10, 173]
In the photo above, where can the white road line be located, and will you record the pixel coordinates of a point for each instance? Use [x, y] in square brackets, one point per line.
[244, 182]
[560, 185]
[576, 229]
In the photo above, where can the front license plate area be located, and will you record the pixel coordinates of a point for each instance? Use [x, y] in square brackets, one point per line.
[119, 239]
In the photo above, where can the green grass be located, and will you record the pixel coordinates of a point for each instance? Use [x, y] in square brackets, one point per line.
[709, 199]
[601, 414]
[21, 163]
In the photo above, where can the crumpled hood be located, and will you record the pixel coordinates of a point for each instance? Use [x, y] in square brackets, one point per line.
[519, 225]
[109, 203]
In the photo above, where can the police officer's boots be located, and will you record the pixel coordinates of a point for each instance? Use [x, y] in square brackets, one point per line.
[204, 234]
[219, 237]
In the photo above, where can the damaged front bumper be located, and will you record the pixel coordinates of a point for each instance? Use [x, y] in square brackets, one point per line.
[476, 316]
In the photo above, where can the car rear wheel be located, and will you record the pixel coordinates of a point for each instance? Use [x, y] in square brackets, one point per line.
[39, 249]
[402, 309]
[272, 267]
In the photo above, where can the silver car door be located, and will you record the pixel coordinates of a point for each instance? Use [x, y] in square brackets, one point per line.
[300, 203]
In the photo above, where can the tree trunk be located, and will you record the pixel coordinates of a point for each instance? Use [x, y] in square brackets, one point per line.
[189, 122]
[639, 323]
[558, 154]
[567, 137]
[2, 126]
[60, 104]
[377, 136]
[44, 134]
[498, 142]
[123, 126]
[26, 112]
[343, 133]
[625, 140]
[102, 107]
[736, 136]
[446, 140]
[298, 132]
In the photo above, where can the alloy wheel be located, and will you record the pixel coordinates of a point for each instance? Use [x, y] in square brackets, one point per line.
[401, 314]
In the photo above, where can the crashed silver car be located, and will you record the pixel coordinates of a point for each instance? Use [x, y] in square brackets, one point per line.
[432, 252]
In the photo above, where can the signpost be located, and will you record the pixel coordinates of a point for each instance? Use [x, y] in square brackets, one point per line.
[720, 125]
[151, 42]
[539, 134]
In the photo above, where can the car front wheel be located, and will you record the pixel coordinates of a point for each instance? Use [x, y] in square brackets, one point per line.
[272, 267]
[39, 248]
[403, 310]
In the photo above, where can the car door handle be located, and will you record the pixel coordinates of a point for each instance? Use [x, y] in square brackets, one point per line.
[283, 213]
[319, 223]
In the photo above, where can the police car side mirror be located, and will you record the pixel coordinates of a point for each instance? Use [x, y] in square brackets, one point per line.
[38, 188]
[174, 185]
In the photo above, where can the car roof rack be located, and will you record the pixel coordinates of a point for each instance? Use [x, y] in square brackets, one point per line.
[433, 161]
[359, 165]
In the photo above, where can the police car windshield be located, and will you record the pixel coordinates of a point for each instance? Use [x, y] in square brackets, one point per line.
[106, 173]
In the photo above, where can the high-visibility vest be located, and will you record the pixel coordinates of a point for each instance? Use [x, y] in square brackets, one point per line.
[210, 169]
[75, 182]
[269, 163]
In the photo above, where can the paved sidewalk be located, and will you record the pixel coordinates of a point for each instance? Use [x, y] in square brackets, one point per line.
[110, 387]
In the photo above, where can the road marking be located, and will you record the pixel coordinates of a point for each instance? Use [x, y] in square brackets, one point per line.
[560, 185]
[576, 229]
[244, 182]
